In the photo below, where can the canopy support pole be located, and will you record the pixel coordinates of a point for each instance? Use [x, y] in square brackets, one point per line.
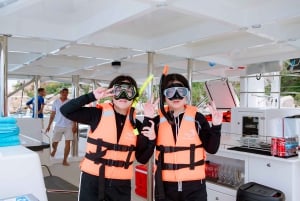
[3, 76]
[151, 161]
[190, 66]
[75, 88]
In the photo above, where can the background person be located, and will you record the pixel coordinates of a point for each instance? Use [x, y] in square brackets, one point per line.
[41, 103]
[183, 137]
[63, 126]
[112, 145]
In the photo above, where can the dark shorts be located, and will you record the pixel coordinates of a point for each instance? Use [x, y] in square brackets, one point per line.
[114, 189]
[191, 191]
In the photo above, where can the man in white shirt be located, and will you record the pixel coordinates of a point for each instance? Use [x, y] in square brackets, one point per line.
[63, 126]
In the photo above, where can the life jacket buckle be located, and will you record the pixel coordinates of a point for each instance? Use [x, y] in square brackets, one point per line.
[126, 165]
[170, 166]
[109, 162]
[162, 148]
[175, 166]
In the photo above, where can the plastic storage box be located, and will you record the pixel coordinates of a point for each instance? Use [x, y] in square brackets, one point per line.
[256, 192]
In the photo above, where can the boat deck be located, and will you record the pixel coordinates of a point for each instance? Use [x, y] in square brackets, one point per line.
[71, 173]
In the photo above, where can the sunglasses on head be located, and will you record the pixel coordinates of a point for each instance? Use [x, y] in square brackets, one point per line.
[126, 91]
[181, 91]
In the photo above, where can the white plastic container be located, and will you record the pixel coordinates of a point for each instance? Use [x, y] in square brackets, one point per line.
[21, 173]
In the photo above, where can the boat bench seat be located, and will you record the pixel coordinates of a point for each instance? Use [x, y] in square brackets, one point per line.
[59, 189]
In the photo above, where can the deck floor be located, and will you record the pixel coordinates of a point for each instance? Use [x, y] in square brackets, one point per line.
[72, 173]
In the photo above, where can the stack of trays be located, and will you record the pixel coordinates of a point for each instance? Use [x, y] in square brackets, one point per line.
[9, 132]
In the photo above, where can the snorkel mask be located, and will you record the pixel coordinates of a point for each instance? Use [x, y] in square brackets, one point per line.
[124, 90]
[176, 91]
[173, 87]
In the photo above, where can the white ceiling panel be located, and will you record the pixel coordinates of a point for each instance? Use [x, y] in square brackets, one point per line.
[67, 61]
[91, 51]
[35, 45]
[57, 39]
[21, 58]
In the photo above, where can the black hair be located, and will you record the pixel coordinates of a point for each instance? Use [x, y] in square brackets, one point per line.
[165, 82]
[64, 89]
[170, 78]
[40, 90]
[120, 79]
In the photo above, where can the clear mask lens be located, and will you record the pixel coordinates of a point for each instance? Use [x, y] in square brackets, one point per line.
[126, 91]
[170, 92]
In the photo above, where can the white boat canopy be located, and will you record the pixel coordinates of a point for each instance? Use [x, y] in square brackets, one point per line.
[57, 39]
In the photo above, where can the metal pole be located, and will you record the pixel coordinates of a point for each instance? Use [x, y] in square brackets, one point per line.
[75, 93]
[190, 65]
[94, 87]
[150, 163]
[36, 86]
[21, 88]
[3, 77]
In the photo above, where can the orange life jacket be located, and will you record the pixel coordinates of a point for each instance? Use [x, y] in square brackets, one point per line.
[103, 149]
[182, 160]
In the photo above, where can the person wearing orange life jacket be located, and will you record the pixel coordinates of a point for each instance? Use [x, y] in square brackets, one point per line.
[183, 137]
[112, 146]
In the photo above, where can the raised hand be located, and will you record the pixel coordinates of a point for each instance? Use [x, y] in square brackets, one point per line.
[149, 132]
[217, 116]
[101, 92]
[150, 107]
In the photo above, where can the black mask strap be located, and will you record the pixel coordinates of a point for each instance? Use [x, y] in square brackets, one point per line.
[162, 97]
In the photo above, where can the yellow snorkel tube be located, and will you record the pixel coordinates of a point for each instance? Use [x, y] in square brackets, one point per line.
[136, 100]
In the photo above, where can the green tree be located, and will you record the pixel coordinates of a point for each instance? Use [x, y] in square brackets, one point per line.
[290, 84]
[198, 92]
[54, 87]
[85, 88]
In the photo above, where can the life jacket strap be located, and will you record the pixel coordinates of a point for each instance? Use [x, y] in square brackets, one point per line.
[101, 183]
[172, 166]
[110, 146]
[171, 149]
[159, 190]
[192, 156]
[127, 162]
[161, 165]
[108, 162]
[97, 158]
